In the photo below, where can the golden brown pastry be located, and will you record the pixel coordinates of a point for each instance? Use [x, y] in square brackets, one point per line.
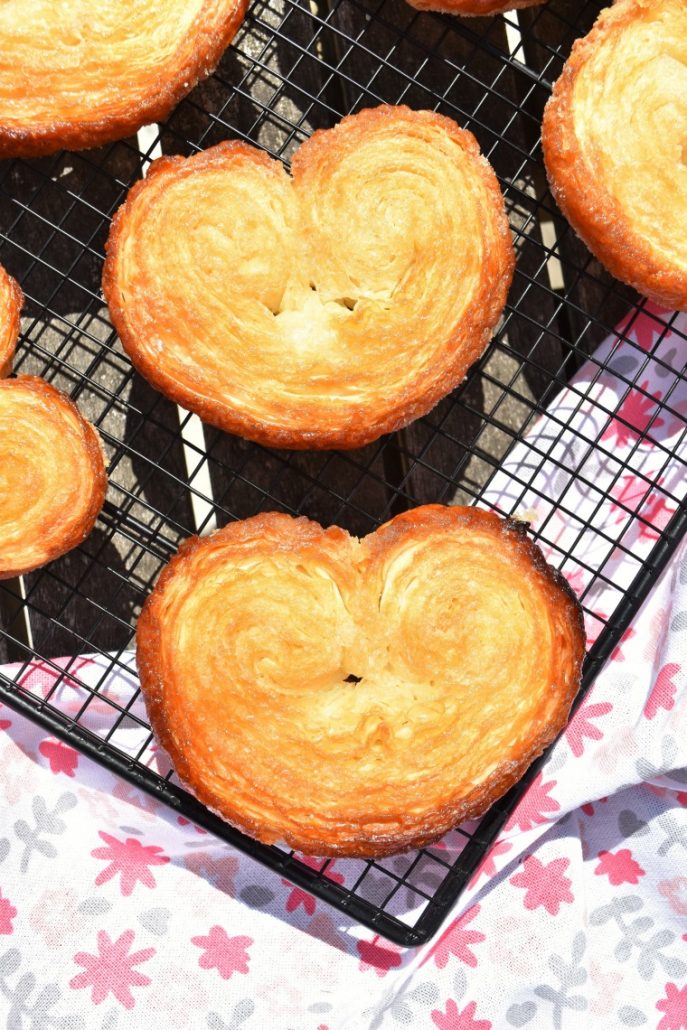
[85, 72]
[472, 8]
[615, 145]
[52, 475]
[358, 697]
[321, 310]
[11, 301]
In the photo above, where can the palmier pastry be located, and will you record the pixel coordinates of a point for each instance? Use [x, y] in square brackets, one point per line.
[84, 73]
[358, 697]
[11, 300]
[472, 8]
[321, 310]
[52, 475]
[615, 145]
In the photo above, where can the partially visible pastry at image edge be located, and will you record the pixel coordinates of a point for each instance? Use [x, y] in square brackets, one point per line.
[615, 145]
[321, 309]
[473, 8]
[83, 73]
[52, 475]
[358, 697]
[11, 300]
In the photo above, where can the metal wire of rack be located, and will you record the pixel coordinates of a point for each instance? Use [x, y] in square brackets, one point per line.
[297, 66]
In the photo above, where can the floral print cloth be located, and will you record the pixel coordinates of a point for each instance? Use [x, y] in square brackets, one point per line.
[117, 913]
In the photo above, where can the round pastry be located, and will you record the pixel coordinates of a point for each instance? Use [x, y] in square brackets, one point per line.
[52, 475]
[11, 300]
[472, 8]
[614, 138]
[358, 697]
[321, 310]
[83, 73]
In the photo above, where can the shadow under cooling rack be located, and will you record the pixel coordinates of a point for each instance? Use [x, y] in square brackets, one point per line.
[296, 67]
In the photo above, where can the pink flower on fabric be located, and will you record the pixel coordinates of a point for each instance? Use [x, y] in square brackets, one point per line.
[194, 826]
[7, 914]
[62, 758]
[637, 410]
[588, 807]
[380, 957]
[298, 896]
[40, 675]
[533, 808]
[642, 327]
[617, 653]
[5, 723]
[457, 941]
[488, 866]
[675, 891]
[577, 579]
[111, 970]
[674, 1005]
[634, 495]
[581, 726]
[663, 693]
[228, 955]
[452, 1019]
[546, 885]
[619, 867]
[130, 858]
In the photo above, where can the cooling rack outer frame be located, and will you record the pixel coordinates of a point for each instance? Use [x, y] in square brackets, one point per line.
[293, 68]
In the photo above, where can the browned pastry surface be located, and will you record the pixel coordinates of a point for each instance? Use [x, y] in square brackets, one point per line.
[52, 475]
[358, 697]
[11, 301]
[615, 145]
[472, 8]
[83, 73]
[320, 310]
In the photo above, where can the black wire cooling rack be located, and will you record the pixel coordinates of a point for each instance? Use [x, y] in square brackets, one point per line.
[297, 66]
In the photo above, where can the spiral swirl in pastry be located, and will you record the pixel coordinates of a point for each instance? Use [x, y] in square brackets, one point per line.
[85, 72]
[615, 145]
[358, 697]
[52, 475]
[11, 301]
[472, 8]
[321, 310]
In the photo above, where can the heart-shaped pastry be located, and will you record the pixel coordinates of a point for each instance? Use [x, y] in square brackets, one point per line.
[82, 73]
[11, 301]
[52, 475]
[358, 697]
[615, 145]
[322, 309]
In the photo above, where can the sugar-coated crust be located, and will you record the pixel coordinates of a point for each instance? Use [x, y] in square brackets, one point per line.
[577, 174]
[90, 87]
[245, 644]
[11, 303]
[54, 475]
[329, 325]
[473, 8]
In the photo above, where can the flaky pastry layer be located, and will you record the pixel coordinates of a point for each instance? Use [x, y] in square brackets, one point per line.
[615, 145]
[84, 73]
[52, 475]
[358, 697]
[11, 302]
[322, 309]
[472, 8]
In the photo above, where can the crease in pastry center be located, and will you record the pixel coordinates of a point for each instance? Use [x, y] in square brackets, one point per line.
[297, 301]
